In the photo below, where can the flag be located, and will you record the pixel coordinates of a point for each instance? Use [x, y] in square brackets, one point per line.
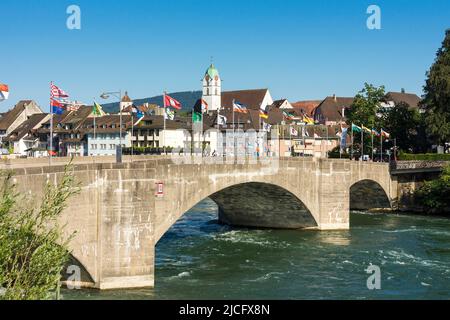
[305, 132]
[57, 107]
[239, 107]
[385, 134]
[355, 128]
[4, 92]
[57, 92]
[73, 107]
[366, 129]
[139, 113]
[375, 133]
[307, 119]
[263, 114]
[204, 106]
[266, 127]
[196, 117]
[344, 139]
[96, 109]
[288, 116]
[171, 102]
[169, 114]
[294, 132]
[222, 120]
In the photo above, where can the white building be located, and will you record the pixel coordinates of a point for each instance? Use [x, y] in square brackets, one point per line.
[21, 139]
[21, 112]
[103, 138]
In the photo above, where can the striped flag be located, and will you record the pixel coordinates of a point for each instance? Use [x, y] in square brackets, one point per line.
[4, 92]
[356, 128]
[385, 134]
[204, 106]
[57, 107]
[73, 107]
[375, 133]
[239, 107]
[366, 129]
[56, 92]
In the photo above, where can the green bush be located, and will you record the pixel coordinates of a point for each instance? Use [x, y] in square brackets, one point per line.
[335, 154]
[435, 195]
[424, 157]
[33, 248]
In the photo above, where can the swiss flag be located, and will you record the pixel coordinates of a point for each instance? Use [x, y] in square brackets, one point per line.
[171, 102]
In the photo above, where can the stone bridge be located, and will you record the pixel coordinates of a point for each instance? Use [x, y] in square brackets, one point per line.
[124, 209]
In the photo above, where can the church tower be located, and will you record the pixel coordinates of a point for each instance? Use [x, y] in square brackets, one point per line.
[212, 86]
[125, 102]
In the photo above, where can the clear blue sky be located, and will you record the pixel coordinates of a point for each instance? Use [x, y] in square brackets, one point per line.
[298, 49]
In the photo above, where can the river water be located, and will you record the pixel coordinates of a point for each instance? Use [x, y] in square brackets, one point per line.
[200, 259]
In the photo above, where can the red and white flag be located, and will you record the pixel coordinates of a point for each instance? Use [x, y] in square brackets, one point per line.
[4, 92]
[204, 105]
[171, 102]
[57, 92]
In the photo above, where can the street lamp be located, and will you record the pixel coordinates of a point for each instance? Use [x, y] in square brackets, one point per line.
[118, 95]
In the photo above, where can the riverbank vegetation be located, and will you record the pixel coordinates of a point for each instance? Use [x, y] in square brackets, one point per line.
[33, 248]
[424, 157]
[434, 195]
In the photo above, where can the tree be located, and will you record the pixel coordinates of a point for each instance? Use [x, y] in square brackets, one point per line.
[33, 249]
[406, 126]
[435, 195]
[437, 94]
[365, 111]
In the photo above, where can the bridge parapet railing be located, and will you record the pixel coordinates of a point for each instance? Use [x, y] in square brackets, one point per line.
[418, 165]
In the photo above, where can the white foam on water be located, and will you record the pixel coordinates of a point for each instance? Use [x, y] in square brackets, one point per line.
[270, 275]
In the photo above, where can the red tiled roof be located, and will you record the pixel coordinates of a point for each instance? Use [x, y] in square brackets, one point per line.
[307, 107]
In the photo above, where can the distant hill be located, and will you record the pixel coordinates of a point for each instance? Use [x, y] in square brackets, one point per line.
[187, 99]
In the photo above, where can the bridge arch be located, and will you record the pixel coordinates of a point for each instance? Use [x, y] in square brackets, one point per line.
[75, 268]
[368, 194]
[255, 203]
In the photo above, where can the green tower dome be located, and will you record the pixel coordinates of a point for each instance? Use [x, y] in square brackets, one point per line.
[212, 72]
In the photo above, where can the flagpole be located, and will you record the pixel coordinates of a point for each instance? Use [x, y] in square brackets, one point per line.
[51, 125]
[132, 132]
[351, 150]
[362, 142]
[371, 134]
[381, 155]
[234, 131]
[201, 109]
[164, 129]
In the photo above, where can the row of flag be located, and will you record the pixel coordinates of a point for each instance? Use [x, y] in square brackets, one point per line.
[374, 132]
[305, 118]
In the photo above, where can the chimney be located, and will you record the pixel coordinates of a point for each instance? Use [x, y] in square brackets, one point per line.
[343, 112]
[334, 97]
